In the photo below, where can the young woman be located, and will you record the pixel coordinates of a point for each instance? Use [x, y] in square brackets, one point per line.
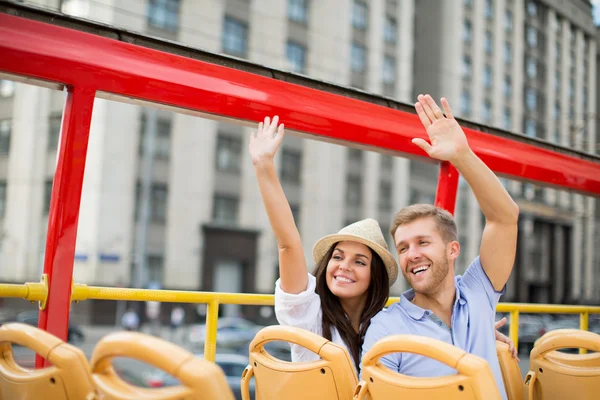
[353, 272]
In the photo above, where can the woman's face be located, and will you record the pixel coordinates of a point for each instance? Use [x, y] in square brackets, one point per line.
[349, 270]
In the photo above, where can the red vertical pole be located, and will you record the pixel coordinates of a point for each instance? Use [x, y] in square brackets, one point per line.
[64, 212]
[447, 187]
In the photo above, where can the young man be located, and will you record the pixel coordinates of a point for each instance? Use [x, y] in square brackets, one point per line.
[458, 310]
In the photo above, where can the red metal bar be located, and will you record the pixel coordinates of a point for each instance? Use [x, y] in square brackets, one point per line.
[64, 212]
[44, 51]
[447, 187]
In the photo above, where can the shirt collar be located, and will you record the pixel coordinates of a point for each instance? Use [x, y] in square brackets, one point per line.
[416, 312]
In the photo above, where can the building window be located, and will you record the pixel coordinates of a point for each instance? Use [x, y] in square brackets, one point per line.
[489, 9]
[487, 76]
[385, 196]
[358, 58]
[557, 81]
[7, 88]
[488, 42]
[467, 31]
[466, 67]
[2, 198]
[225, 210]
[296, 55]
[159, 194]
[507, 87]
[162, 143]
[390, 29]
[556, 111]
[468, 3]
[507, 52]
[5, 133]
[557, 51]
[355, 155]
[507, 123]
[359, 15]
[508, 21]
[531, 67]
[531, 36]
[531, 99]
[54, 123]
[486, 111]
[465, 103]
[235, 37]
[531, 8]
[571, 88]
[530, 127]
[154, 267]
[389, 70]
[164, 14]
[229, 153]
[387, 163]
[291, 165]
[47, 195]
[354, 191]
[298, 11]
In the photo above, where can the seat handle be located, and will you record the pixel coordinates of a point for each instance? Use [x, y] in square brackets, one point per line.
[246, 377]
[425, 346]
[290, 334]
[566, 338]
[30, 337]
[154, 351]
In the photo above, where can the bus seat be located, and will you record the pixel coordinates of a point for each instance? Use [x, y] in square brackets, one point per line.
[553, 375]
[199, 378]
[332, 377]
[67, 378]
[474, 379]
[511, 373]
[576, 360]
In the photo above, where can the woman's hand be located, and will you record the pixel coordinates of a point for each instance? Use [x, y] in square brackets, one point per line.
[505, 339]
[266, 141]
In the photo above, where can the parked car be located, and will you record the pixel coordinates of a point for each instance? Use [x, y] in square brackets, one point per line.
[233, 366]
[230, 331]
[75, 334]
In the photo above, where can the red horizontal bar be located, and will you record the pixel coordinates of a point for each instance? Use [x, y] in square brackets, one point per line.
[72, 57]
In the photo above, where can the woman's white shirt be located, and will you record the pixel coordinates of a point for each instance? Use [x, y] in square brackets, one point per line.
[303, 310]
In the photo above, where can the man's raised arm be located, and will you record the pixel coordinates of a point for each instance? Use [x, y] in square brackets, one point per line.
[449, 143]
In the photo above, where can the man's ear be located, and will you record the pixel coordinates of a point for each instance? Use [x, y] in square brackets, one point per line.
[453, 249]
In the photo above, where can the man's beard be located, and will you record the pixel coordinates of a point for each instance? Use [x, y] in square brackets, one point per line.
[437, 271]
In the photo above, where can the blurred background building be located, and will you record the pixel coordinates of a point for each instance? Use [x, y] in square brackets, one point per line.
[524, 66]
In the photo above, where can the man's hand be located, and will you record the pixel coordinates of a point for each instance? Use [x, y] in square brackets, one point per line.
[448, 141]
[505, 339]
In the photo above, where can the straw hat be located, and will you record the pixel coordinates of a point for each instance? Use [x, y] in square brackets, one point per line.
[366, 232]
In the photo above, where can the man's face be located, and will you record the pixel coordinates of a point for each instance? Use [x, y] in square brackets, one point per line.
[423, 255]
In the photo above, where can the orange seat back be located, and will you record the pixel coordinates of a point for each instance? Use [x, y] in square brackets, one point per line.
[332, 377]
[554, 375]
[511, 373]
[67, 379]
[199, 379]
[474, 379]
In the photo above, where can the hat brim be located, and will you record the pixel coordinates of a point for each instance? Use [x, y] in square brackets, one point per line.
[324, 244]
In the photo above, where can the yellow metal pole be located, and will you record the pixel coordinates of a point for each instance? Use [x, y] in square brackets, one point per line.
[514, 328]
[583, 325]
[210, 338]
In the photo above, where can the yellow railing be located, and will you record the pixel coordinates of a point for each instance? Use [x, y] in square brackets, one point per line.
[37, 291]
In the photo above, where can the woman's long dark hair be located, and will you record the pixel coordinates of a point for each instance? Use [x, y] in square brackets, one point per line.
[333, 312]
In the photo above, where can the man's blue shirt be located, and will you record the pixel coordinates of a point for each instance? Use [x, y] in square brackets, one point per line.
[472, 330]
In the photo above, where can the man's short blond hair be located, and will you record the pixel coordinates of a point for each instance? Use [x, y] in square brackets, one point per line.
[443, 219]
